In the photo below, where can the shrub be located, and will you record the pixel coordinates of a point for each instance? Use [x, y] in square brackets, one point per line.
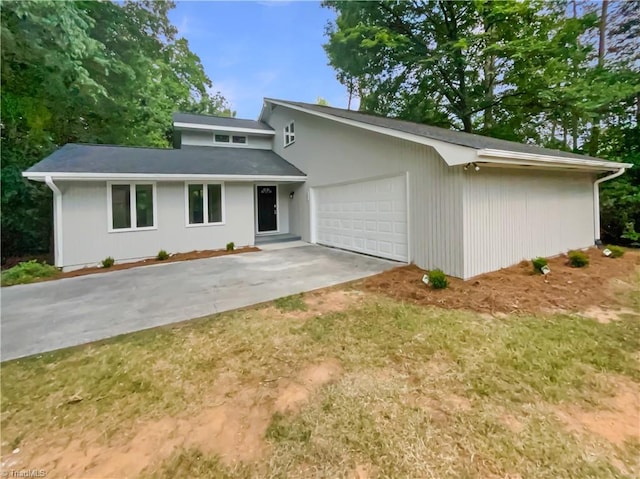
[578, 259]
[539, 263]
[231, 246]
[616, 251]
[162, 255]
[27, 272]
[108, 262]
[437, 279]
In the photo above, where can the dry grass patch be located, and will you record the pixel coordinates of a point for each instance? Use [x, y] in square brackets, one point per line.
[328, 384]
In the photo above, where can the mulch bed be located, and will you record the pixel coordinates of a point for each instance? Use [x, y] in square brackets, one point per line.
[146, 262]
[517, 288]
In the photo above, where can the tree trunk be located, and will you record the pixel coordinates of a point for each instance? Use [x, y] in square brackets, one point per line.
[574, 129]
[489, 69]
[603, 33]
[595, 129]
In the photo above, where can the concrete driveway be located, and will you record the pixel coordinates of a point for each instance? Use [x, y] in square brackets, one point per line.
[46, 316]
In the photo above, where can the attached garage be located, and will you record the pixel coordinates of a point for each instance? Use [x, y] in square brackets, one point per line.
[474, 204]
[367, 216]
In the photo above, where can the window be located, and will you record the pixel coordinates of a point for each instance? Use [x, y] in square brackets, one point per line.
[225, 138]
[289, 134]
[131, 206]
[205, 203]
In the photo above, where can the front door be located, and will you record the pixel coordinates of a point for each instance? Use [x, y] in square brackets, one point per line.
[267, 208]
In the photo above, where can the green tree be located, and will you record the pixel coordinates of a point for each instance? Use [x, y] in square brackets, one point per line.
[84, 71]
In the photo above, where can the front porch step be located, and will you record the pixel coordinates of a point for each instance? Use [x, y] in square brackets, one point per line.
[280, 238]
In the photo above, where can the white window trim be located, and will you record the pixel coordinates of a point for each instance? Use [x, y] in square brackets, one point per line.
[230, 142]
[205, 206]
[132, 205]
[292, 136]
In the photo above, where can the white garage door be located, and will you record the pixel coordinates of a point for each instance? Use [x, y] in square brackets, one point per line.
[368, 217]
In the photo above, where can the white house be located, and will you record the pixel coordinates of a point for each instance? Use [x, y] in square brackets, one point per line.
[464, 203]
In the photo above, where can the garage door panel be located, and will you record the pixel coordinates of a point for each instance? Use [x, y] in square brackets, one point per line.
[369, 217]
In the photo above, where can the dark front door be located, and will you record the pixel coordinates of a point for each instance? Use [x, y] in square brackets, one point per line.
[267, 208]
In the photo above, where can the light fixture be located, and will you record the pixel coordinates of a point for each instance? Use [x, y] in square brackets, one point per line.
[475, 166]
[466, 167]
[291, 194]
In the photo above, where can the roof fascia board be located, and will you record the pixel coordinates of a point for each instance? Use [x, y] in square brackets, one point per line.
[514, 158]
[451, 153]
[41, 176]
[200, 126]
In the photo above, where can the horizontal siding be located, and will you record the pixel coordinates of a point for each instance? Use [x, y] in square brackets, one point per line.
[205, 138]
[86, 239]
[331, 153]
[511, 215]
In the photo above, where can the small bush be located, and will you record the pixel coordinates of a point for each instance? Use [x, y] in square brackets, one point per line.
[108, 262]
[616, 251]
[578, 259]
[231, 246]
[28, 272]
[539, 263]
[437, 279]
[162, 255]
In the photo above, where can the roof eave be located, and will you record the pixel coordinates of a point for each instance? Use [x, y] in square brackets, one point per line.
[79, 176]
[506, 158]
[180, 125]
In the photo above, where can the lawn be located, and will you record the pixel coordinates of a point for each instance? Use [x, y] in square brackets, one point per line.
[344, 382]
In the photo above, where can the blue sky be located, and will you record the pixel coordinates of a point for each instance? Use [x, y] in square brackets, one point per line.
[252, 50]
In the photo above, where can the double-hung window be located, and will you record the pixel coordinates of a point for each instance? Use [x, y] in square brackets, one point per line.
[204, 203]
[289, 134]
[132, 206]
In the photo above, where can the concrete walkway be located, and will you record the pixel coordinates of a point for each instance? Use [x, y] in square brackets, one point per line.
[46, 316]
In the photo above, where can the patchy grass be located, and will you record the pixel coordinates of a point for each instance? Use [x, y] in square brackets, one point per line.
[28, 272]
[294, 302]
[377, 389]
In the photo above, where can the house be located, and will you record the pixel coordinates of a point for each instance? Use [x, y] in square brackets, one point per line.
[409, 192]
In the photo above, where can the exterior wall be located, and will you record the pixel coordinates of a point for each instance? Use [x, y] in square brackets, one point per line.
[205, 138]
[86, 240]
[331, 153]
[516, 214]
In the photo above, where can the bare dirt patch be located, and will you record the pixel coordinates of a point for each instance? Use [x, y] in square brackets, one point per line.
[618, 420]
[605, 315]
[517, 289]
[232, 424]
[320, 302]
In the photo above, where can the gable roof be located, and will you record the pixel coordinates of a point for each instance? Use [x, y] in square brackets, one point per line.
[180, 120]
[105, 161]
[486, 147]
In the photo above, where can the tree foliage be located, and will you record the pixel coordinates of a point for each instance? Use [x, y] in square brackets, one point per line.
[561, 74]
[92, 72]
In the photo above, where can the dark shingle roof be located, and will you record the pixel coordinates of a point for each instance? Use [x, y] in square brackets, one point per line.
[221, 121]
[189, 160]
[435, 133]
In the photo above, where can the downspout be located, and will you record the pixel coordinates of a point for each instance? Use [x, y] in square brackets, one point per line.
[596, 201]
[57, 220]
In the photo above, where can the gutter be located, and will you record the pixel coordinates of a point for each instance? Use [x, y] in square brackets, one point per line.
[57, 220]
[596, 201]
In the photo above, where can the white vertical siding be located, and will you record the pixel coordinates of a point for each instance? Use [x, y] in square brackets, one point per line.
[331, 153]
[511, 215]
[85, 222]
